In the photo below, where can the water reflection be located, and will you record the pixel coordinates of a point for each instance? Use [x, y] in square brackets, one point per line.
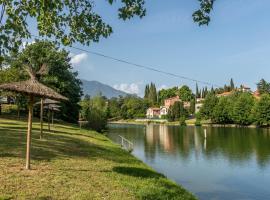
[235, 144]
[231, 163]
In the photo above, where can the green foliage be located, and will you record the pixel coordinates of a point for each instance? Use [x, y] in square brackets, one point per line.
[151, 94]
[185, 93]
[66, 21]
[242, 109]
[198, 119]
[232, 87]
[198, 93]
[59, 74]
[202, 16]
[207, 110]
[237, 108]
[176, 111]
[263, 87]
[222, 111]
[182, 121]
[95, 112]
[128, 107]
[192, 106]
[166, 93]
[262, 110]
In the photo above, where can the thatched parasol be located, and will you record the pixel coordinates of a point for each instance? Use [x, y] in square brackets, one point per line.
[42, 103]
[32, 88]
[52, 108]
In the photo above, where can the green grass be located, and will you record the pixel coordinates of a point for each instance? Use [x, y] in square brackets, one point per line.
[74, 164]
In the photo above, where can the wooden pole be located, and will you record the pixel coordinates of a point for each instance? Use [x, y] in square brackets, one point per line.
[41, 117]
[49, 126]
[28, 145]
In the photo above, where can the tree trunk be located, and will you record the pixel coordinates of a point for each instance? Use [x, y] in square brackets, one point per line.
[41, 117]
[28, 146]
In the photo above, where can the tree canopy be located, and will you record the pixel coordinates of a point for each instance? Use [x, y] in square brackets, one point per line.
[69, 21]
[59, 74]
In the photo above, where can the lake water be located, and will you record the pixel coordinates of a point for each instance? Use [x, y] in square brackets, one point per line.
[230, 164]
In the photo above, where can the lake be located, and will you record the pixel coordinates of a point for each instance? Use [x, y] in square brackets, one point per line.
[230, 164]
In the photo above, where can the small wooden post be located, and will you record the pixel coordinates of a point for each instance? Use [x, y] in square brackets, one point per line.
[205, 134]
[41, 117]
[28, 145]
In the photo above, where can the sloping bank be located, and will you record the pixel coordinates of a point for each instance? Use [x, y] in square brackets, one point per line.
[74, 164]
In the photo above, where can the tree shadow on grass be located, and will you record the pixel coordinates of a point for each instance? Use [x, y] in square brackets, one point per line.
[60, 144]
[138, 172]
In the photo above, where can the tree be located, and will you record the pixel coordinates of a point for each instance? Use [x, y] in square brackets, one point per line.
[207, 109]
[185, 93]
[150, 93]
[68, 21]
[176, 111]
[262, 110]
[146, 92]
[94, 110]
[232, 87]
[242, 109]
[263, 87]
[192, 106]
[166, 93]
[221, 112]
[197, 91]
[59, 76]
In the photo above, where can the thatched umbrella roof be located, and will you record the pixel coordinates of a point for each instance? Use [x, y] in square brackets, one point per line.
[32, 87]
[52, 107]
[48, 101]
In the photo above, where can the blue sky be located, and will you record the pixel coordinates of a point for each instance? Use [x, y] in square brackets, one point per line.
[236, 44]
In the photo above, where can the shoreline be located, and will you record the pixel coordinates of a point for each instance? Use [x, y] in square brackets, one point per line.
[134, 122]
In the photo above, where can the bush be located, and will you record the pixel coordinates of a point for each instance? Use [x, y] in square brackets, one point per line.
[182, 121]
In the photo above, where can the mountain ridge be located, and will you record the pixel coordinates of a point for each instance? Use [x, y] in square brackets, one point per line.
[93, 88]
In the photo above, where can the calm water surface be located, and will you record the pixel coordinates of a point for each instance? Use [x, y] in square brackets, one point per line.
[232, 163]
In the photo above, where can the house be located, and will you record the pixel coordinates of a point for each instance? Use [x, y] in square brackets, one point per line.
[198, 104]
[153, 112]
[244, 88]
[171, 101]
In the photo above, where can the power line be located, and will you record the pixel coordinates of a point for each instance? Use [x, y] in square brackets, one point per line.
[140, 66]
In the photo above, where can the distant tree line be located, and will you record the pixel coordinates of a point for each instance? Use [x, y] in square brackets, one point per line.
[240, 108]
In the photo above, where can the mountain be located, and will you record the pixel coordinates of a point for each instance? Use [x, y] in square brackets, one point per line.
[94, 88]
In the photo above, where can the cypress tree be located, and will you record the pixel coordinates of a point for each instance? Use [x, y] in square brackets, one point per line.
[146, 92]
[197, 91]
[232, 87]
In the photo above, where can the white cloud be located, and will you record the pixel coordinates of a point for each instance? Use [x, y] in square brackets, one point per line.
[132, 88]
[77, 59]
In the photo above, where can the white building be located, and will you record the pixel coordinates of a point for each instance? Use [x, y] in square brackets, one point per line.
[198, 104]
[153, 113]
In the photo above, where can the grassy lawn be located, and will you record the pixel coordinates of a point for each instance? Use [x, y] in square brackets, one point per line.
[74, 164]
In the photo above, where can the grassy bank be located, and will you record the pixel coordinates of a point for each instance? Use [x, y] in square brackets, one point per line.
[74, 164]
